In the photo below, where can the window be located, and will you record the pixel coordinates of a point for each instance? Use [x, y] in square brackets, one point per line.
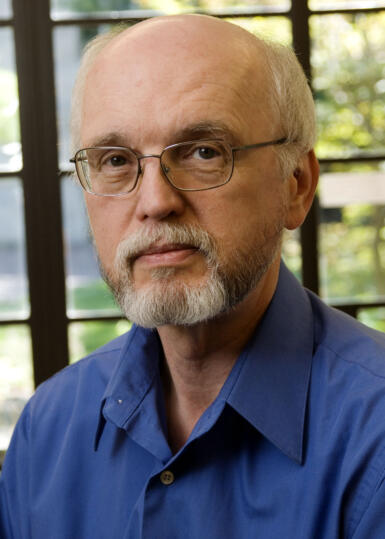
[54, 308]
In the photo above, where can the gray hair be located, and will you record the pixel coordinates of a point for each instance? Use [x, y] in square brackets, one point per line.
[290, 97]
[292, 101]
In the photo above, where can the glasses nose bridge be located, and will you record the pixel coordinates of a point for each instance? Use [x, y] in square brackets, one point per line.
[164, 170]
[146, 156]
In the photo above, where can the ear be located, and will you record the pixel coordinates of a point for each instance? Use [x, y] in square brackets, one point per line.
[301, 188]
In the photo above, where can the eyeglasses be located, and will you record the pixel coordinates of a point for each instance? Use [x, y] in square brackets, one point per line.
[196, 165]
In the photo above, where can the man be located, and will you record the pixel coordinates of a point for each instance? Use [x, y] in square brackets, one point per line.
[239, 406]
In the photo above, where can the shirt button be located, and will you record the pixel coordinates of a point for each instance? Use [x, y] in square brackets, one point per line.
[167, 477]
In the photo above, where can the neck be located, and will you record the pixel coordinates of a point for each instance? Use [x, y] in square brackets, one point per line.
[198, 359]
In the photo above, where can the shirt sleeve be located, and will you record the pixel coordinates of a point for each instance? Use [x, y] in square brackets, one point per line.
[14, 484]
[372, 524]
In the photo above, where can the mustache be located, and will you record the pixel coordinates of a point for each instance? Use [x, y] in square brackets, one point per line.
[166, 233]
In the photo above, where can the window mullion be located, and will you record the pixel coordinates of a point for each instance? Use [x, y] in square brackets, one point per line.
[33, 43]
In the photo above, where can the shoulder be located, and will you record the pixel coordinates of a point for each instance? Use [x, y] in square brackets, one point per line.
[82, 383]
[348, 369]
[347, 407]
[347, 340]
[64, 411]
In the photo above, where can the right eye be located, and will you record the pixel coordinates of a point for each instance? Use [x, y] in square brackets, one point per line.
[115, 160]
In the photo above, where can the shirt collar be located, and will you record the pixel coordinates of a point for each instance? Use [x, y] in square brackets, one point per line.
[134, 373]
[268, 386]
[271, 389]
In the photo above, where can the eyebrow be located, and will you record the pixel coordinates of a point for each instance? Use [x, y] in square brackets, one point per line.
[115, 138]
[202, 130]
[196, 131]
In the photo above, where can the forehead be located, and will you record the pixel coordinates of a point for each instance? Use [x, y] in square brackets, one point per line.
[147, 83]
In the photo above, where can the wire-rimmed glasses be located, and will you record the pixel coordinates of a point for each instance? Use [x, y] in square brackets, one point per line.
[196, 165]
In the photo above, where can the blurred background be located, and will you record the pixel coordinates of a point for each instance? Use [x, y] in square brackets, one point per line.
[54, 308]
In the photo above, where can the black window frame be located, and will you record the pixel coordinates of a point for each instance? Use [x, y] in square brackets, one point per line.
[33, 34]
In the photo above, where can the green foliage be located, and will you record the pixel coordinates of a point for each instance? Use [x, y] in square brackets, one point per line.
[16, 361]
[91, 296]
[291, 252]
[274, 28]
[85, 337]
[349, 82]
[374, 318]
[9, 108]
[88, 6]
[352, 248]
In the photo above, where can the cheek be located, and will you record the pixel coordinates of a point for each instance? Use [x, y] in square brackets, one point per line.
[108, 226]
[239, 218]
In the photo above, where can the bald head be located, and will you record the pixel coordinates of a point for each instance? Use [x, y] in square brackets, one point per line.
[168, 34]
[185, 52]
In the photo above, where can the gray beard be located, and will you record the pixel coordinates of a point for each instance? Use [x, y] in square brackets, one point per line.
[167, 299]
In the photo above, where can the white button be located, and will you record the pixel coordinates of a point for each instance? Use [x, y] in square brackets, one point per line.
[167, 477]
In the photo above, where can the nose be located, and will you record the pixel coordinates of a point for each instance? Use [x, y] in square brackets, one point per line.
[157, 199]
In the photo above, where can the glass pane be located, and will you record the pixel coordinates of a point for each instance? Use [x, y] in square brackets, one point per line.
[14, 302]
[344, 4]
[85, 337]
[69, 42]
[275, 28]
[16, 381]
[373, 317]
[347, 58]
[86, 291]
[10, 148]
[352, 232]
[68, 7]
[292, 252]
[5, 9]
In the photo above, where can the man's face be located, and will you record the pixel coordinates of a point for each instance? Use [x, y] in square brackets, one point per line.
[140, 96]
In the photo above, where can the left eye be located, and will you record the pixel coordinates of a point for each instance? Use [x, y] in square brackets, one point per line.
[205, 152]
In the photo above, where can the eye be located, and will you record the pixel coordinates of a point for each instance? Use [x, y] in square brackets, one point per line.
[205, 152]
[117, 160]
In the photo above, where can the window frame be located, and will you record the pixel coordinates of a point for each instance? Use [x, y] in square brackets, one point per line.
[33, 33]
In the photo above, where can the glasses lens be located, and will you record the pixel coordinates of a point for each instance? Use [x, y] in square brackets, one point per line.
[107, 171]
[201, 164]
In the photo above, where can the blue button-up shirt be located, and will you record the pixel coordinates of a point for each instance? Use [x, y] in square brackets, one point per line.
[293, 447]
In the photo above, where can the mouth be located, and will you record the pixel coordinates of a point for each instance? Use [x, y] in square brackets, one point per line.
[165, 255]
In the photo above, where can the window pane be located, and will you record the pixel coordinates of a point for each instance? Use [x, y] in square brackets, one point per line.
[14, 302]
[292, 252]
[341, 4]
[275, 28]
[85, 337]
[5, 9]
[16, 381]
[69, 42]
[86, 292]
[373, 317]
[352, 232]
[67, 7]
[10, 149]
[349, 81]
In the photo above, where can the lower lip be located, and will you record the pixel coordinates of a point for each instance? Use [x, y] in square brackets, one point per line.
[166, 258]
